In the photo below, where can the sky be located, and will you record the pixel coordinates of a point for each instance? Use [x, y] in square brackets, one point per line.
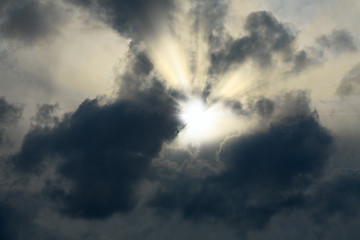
[179, 119]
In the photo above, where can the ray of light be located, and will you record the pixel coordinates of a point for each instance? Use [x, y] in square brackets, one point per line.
[170, 61]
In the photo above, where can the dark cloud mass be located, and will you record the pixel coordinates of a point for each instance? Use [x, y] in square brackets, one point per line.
[337, 197]
[263, 173]
[17, 211]
[103, 150]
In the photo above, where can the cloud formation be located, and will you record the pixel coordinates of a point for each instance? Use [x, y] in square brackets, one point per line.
[9, 114]
[104, 150]
[276, 150]
[128, 17]
[266, 36]
[29, 21]
[263, 173]
[350, 84]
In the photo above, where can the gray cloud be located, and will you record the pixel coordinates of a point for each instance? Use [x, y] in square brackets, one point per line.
[336, 198]
[129, 17]
[46, 115]
[17, 212]
[4, 4]
[266, 36]
[30, 21]
[338, 41]
[108, 160]
[350, 84]
[9, 114]
[264, 107]
[210, 17]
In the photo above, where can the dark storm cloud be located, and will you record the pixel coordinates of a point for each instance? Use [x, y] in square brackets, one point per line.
[29, 21]
[103, 152]
[350, 84]
[262, 173]
[9, 114]
[10, 222]
[336, 198]
[17, 211]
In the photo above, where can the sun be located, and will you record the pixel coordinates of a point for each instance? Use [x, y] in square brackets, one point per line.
[196, 117]
[199, 119]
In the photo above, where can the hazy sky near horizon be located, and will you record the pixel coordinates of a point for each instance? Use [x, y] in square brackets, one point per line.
[179, 119]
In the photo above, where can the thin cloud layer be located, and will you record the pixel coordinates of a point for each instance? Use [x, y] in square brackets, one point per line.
[350, 84]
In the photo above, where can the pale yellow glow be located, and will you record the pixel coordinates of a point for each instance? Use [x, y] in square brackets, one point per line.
[234, 81]
[169, 60]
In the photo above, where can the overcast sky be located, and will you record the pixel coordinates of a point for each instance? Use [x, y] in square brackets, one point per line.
[179, 119]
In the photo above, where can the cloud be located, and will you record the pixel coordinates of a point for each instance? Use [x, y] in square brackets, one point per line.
[46, 115]
[136, 77]
[17, 212]
[4, 4]
[337, 197]
[210, 18]
[261, 174]
[104, 150]
[338, 41]
[266, 36]
[129, 17]
[30, 21]
[264, 107]
[113, 159]
[350, 84]
[9, 114]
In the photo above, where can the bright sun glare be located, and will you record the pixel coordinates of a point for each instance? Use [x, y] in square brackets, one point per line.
[198, 118]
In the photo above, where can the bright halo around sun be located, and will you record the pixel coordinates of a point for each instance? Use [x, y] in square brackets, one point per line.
[202, 122]
[196, 117]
